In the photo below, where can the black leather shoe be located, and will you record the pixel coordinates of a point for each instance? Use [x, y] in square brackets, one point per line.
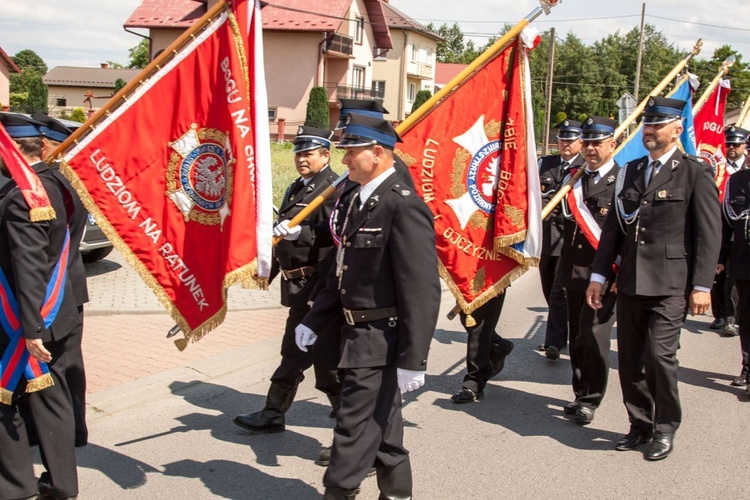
[552, 353]
[729, 330]
[660, 446]
[717, 324]
[498, 353]
[466, 395]
[631, 441]
[261, 423]
[584, 415]
[324, 457]
[571, 408]
[740, 381]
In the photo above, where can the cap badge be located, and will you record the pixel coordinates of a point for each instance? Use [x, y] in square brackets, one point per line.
[566, 123]
[590, 121]
[300, 130]
[651, 102]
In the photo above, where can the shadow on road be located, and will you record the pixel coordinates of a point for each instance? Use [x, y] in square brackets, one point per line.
[100, 267]
[227, 479]
[125, 471]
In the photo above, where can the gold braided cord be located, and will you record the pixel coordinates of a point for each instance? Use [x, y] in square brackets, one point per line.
[240, 46]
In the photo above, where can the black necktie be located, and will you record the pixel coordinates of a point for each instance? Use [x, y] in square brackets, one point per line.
[355, 207]
[654, 167]
[564, 165]
[588, 183]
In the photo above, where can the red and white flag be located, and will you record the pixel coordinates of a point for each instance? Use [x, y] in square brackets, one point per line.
[473, 160]
[179, 175]
[709, 133]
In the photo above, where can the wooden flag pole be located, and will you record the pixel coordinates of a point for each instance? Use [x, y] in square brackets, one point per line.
[550, 206]
[723, 70]
[744, 113]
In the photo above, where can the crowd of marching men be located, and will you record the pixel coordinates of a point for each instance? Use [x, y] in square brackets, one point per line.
[641, 243]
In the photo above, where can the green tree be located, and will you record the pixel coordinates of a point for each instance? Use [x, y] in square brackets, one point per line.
[77, 115]
[422, 97]
[28, 60]
[36, 100]
[119, 84]
[140, 55]
[115, 65]
[317, 109]
[451, 49]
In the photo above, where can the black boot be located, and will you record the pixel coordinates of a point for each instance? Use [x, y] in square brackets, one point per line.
[335, 403]
[395, 483]
[340, 494]
[324, 457]
[271, 417]
[500, 350]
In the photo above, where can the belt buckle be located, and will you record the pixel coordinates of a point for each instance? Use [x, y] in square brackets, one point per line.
[284, 274]
[348, 317]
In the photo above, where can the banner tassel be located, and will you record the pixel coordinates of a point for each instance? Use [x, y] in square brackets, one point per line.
[470, 321]
[40, 383]
[6, 396]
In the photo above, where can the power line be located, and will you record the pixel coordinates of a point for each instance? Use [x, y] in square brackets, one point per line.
[699, 24]
[536, 21]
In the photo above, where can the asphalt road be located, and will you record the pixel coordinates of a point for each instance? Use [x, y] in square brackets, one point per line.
[170, 434]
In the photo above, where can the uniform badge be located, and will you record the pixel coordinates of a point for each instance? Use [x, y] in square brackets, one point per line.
[610, 179]
[603, 211]
[544, 188]
[200, 175]
[405, 192]
[661, 195]
[675, 164]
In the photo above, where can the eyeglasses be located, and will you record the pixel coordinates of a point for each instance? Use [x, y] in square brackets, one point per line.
[734, 144]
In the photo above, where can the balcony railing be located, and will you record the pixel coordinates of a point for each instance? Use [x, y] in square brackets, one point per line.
[336, 92]
[420, 70]
[340, 44]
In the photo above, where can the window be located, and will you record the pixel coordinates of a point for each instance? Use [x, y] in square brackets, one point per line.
[378, 89]
[359, 29]
[271, 114]
[414, 52]
[61, 101]
[412, 92]
[380, 54]
[429, 56]
[358, 77]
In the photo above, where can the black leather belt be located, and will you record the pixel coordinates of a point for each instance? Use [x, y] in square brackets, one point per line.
[300, 272]
[367, 315]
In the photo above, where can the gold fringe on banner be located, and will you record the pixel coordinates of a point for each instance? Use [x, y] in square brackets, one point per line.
[495, 290]
[40, 214]
[40, 383]
[6, 397]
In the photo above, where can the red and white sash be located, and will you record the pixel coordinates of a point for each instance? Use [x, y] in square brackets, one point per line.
[583, 215]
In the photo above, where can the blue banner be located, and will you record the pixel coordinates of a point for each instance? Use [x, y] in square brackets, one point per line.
[633, 147]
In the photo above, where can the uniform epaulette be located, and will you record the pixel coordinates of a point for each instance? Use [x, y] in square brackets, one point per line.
[688, 156]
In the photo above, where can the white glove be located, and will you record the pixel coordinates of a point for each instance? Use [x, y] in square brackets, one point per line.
[282, 230]
[304, 337]
[409, 380]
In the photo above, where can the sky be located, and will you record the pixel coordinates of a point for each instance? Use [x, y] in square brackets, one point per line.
[90, 32]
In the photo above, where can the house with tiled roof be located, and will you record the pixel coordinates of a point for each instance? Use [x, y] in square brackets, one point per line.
[445, 72]
[409, 67]
[7, 66]
[71, 87]
[307, 43]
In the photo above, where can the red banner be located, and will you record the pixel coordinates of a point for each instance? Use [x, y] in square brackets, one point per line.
[179, 176]
[470, 162]
[31, 187]
[709, 133]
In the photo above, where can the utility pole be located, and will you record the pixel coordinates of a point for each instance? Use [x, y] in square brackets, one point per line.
[640, 54]
[548, 105]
